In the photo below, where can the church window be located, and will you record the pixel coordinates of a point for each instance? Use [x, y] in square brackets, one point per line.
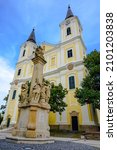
[68, 30]
[14, 94]
[19, 72]
[52, 61]
[24, 53]
[71, 82]
[69, 53]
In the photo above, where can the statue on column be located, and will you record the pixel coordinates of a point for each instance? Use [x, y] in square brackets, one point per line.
[39, 52]
[23, 98]
[40, 93]
[47, 93]
[33, 109]
[36, 91]
[43, 95]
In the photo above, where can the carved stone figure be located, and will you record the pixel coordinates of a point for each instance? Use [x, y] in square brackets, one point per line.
[47, 93]
[43, 95]
[39, 51]
[24, 93]
[36, 91]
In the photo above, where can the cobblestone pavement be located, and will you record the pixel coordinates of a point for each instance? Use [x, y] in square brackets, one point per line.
[58, 145]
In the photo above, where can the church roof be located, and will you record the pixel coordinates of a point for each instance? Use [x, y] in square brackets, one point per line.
[69, 13]
[32, 36]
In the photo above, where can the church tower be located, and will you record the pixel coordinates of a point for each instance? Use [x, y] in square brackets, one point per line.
[23, 72]
[70, 27]
[65, 66]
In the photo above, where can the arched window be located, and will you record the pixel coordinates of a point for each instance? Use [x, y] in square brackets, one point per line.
[14, 94]
[68, 30]
[19, 72]
[69, 53]
[52, 61]
[24, 53]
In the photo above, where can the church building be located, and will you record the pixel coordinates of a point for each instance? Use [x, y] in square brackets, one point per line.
[64, 65]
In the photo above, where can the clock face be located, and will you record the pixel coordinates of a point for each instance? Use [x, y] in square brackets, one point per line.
[67, 22]
[70, 66]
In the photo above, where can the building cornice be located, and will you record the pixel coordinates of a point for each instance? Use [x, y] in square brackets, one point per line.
[57, 70]
[25, 60]
[63, 22]
[55, 48]
[66, 42]
[28, 42]
[20, 80]
[77, 63]
[49, 44]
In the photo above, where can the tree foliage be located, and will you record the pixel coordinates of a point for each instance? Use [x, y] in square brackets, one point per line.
[6, 98]
[3, 107]
[56, 98]
[89, 93]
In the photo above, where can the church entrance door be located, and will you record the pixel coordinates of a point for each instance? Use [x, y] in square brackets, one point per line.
[8, 122]
[74, 123]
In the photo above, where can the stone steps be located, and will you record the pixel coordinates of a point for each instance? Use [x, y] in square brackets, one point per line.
[92, 135]
[7, 130]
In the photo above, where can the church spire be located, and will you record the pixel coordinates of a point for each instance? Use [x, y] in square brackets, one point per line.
[69, 13]
[32, 36]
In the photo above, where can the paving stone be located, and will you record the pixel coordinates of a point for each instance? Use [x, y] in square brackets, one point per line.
[58, 145]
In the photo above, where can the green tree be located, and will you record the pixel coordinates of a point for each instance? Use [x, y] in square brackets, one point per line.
[3, 107]
[6, 98]
[89, 93]
[56, 98]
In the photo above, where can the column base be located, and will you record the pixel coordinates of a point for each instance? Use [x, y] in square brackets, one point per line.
[31, 134]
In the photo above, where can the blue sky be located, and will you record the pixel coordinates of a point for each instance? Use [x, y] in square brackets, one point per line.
[17, 18]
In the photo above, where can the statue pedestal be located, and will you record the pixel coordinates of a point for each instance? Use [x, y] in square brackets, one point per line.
[33, 121]
[29, 140]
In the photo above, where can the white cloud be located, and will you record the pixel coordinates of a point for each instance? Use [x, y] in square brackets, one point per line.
[6, 76]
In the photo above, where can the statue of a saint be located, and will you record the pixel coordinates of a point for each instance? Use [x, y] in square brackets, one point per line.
[43, 92]
[47, 93]
[39, 51]
[24, 93]
[36, 91]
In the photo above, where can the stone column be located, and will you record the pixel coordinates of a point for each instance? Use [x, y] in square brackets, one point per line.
[34, 109]
[39, 63]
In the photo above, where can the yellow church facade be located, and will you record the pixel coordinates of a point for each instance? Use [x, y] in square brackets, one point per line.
[64, 65]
